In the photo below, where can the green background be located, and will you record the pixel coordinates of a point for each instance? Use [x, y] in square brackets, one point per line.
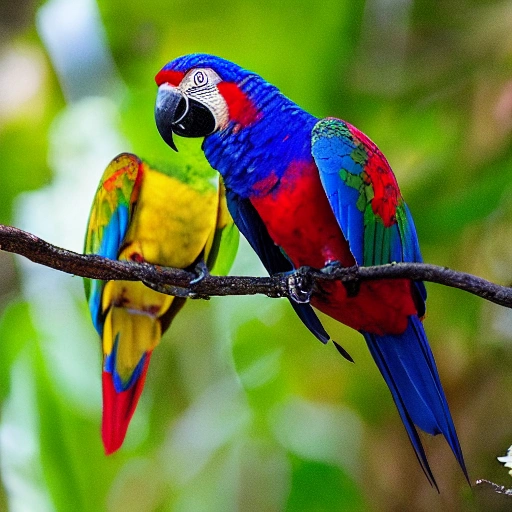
[243, 409]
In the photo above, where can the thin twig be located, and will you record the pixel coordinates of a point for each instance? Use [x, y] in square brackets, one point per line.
[500, 489]
[167, 279]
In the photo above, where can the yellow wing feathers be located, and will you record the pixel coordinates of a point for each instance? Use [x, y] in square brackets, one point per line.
[172, 222]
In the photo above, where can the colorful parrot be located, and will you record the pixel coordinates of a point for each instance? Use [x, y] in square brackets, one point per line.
[176, 218]
[314, 192]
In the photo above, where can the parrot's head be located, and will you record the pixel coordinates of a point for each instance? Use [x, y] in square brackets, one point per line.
[200, 94]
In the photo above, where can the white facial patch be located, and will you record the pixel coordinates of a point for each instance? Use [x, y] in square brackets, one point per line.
[201, 84]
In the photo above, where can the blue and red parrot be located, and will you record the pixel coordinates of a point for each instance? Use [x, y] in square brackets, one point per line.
[314, 192]
[175, 217]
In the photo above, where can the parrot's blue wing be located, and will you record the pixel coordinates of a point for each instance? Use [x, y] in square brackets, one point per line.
[365, 198]
[378, 226]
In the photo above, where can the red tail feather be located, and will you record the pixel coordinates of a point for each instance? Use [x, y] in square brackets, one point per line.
[118, 408]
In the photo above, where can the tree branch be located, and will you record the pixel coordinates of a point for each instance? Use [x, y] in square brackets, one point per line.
[298, 285]
[500, 489]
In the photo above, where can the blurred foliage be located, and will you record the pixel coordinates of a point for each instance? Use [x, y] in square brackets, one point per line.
[243, 409]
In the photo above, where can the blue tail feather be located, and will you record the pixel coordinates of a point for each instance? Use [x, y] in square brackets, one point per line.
[109, 366]
[408, 367]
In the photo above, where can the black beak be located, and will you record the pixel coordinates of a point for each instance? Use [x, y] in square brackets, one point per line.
[169, 104]
[176, 113]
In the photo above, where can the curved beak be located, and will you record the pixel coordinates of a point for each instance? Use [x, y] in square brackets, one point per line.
[175, 112]
[169, 104]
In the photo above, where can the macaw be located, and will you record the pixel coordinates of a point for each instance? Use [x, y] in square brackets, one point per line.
[175, 217]
[315, 192]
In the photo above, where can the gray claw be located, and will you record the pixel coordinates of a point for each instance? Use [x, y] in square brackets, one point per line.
[300, 286]
[201, 270]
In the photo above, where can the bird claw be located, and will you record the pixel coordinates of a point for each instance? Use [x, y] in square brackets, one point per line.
[299, 285]
[201, 270]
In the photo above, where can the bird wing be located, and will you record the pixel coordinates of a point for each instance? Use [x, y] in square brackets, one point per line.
[109, 219]
[378, 226]
[365, 197]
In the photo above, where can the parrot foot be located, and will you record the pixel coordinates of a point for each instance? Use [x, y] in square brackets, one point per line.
[201, 270]
[299, 285]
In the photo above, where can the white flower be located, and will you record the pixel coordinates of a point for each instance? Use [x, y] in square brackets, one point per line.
[507, 460]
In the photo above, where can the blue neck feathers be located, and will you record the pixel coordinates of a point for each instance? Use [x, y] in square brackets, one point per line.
[247, 155]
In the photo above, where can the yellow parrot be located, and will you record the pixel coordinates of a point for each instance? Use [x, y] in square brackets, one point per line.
[173, 217]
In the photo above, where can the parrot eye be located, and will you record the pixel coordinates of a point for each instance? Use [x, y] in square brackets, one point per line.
[200, 78]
